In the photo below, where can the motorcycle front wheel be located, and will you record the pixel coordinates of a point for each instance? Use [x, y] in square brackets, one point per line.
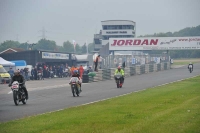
[16, 98]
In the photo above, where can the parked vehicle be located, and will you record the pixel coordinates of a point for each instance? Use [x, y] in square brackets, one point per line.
[4, 75]
[18, 93]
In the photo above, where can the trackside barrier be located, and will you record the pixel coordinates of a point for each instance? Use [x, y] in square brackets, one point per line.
[107, 74]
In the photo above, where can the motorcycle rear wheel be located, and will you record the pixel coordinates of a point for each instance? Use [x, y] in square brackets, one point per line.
[77, 92]
[73, 91]
[24, 101]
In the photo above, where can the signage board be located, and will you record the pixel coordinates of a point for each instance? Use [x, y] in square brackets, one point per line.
[48, 55]
[155, 43]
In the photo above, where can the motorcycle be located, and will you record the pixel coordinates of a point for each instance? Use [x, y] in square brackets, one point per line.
[190, 68]
[52, 74]
[18, 93]
[66, 74]
[75, 87]
[118, 80]
[39, 76]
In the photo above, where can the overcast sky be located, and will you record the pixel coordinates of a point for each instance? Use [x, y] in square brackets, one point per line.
[79, 20]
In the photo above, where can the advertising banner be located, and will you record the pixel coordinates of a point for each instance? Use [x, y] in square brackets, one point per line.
[156, 43]
[48, 55]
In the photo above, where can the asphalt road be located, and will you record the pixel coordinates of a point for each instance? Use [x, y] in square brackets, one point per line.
[55, 94]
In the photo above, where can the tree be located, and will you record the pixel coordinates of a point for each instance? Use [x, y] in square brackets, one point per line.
[9, 44]
[46, 45]
[68, 47]
[78, 49]
[90, 47]
[84, 49]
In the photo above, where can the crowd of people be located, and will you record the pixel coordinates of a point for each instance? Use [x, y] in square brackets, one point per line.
[42, 71]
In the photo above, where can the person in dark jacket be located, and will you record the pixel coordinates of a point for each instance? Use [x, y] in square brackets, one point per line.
[96, 63]
[20, 79]
[32, 74]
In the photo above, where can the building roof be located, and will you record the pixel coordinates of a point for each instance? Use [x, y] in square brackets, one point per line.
[117, 20]
[12, 49]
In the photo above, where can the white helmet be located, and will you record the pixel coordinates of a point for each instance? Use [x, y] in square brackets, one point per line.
[17, 72]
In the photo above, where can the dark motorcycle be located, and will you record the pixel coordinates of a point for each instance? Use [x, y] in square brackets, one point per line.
[190, 68]
[75, 87]
[18, 93]
[118, 79]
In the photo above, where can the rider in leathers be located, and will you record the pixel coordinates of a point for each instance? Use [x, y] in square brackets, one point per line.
[75, 74]
[20, 79]
[190, 66]
[119, 70]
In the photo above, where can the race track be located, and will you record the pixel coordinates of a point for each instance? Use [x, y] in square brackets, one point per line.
[55, 94]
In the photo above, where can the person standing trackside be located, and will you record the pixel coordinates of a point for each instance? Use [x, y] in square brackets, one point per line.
[96, 63]
[81, 70]
[11, 72]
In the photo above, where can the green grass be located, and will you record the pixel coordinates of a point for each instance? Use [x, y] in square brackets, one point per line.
[173, 108]
[185, 61]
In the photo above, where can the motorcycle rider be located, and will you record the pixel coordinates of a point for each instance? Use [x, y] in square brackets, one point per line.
[190, 65]
[20, 79]
[121, 71]
[75, 74]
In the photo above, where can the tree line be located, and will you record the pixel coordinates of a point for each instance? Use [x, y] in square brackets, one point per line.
[189, 31]
[44, 44]
[67, 46]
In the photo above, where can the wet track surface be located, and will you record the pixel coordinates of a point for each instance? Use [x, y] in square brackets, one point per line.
[54, 94]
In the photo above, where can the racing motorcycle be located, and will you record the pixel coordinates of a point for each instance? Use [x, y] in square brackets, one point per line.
[75, 87]
[18, 93]
[118, 80]
[190, 68]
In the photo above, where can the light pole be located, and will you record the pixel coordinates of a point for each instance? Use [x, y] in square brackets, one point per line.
[27, 45]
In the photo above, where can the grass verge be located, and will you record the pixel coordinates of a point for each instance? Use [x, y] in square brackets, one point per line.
[172, 108]
[185, 61]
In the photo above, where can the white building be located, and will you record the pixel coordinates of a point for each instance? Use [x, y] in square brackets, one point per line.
[114, 29]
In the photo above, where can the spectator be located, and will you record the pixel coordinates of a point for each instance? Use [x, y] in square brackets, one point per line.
[35, 73]
[32, 74]
[96, 63]
[81, 70]
[26, 73]
[11, 72]
[72, 70]
[90, 69]
[22, 72]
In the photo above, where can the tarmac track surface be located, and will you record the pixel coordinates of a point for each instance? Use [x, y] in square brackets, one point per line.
[55, 94]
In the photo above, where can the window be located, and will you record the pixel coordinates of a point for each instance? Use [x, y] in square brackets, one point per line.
[104, 27]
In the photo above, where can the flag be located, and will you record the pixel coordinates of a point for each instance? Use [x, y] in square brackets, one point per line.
[74, 43]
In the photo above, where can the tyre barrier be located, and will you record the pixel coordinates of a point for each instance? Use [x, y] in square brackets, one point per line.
[165, 66]
[158, 67]
[147, 68]
[85, 78]
[151, 67]
[142, 69]
[107, 74]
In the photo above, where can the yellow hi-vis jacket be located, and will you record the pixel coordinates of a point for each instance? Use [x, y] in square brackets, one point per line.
[121, 71]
